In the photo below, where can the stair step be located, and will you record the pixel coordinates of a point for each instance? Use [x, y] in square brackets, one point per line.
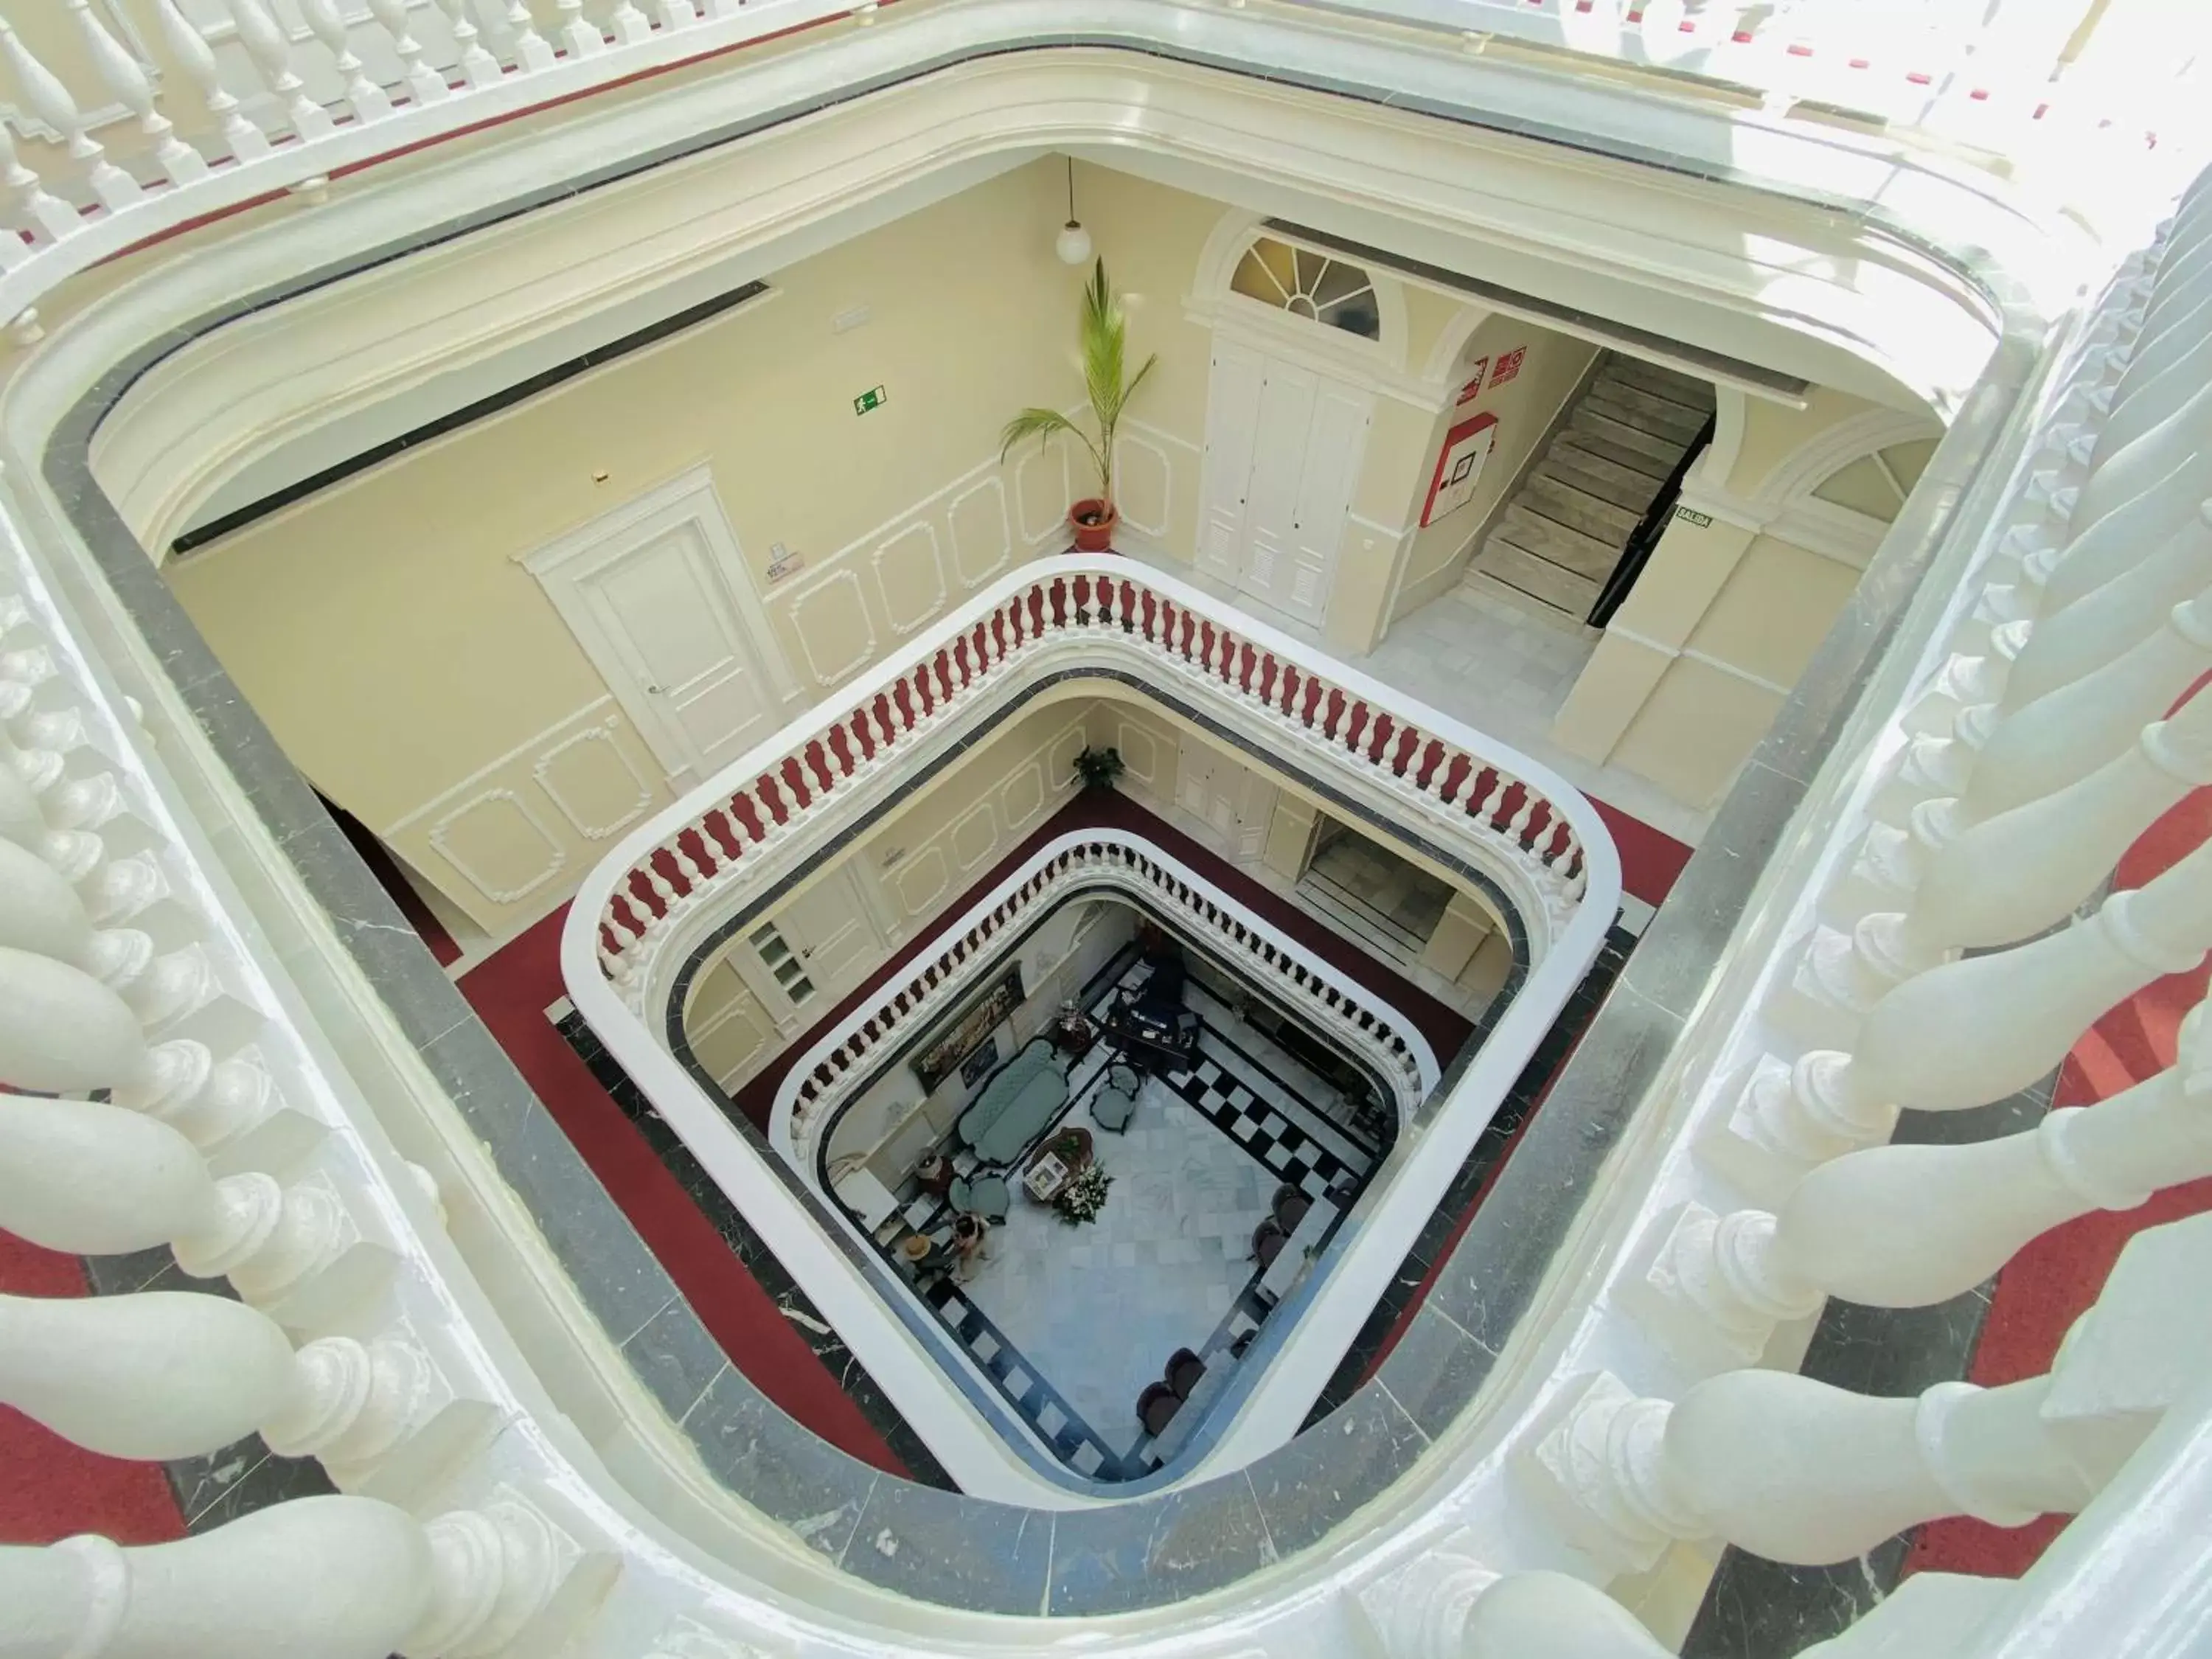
[1684, 389]
[1559, 499]
[1643, 411]
[1571, 458]
[1654, 453]
[1536, 579]
[1587, 555]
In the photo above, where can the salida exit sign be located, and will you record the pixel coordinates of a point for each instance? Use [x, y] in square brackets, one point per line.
[870, 399]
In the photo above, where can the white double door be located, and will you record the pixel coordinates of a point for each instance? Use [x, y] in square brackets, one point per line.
[1283, 448]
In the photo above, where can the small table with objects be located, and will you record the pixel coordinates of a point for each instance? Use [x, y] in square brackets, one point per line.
[1066, 1155]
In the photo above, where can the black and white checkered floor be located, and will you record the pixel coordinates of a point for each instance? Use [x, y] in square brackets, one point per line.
[1070, 1323]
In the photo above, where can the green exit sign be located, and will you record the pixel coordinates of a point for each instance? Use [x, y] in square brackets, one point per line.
[1702, 521]
[872, 398]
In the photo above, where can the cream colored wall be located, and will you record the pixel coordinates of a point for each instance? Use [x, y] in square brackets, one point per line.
[1693, 667]
[1527, 407]
[408, 665]
[1711, 641]
[1773, 433]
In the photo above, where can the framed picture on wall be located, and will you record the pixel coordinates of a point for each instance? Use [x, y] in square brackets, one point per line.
[980, 1063]
[952, 1045]
[1459, 469]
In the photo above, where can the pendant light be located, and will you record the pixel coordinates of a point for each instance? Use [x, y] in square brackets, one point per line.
[1073, 243]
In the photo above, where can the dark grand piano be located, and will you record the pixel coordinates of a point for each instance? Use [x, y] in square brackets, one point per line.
[1150, 1023]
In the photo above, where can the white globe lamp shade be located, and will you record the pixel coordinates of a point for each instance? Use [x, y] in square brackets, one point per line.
[1073, 244]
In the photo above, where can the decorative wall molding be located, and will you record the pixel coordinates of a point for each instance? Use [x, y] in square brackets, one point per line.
[553, 802]
[835, 581]
[959, 839]
[1022, 796]
[993, 486]
[440, 837]
[931, 858]
[1125, 441]
[1129, 737]
[604, 732]
[1052, 455]
[923, 534]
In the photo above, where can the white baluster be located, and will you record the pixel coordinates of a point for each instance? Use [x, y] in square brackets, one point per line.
[45, 212]
[676, 14]
[2112, 616]
[336, 1577]
[478, 66]
[186, 45]
[51, 102]
[531, 53]
[2018, 872]
[1909, 1227]
[1540, 1613]
[1972, 1031]
[60, 1029]
[631, 25]
[1803, 1472]
[270, 49]
[2064, 736]
[577, 33]
[368, 101]
[159, 1374]
[126, 77]
[426, 85]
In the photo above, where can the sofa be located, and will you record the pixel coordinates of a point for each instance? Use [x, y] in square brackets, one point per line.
[1014, 1107]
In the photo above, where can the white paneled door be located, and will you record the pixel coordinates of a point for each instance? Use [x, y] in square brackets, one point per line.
[1283, 448]
[654, 593]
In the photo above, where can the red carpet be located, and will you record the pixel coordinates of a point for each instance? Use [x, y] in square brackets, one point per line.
[1650, 861]
[510, 992]
[50, 1489]
[2051, 1282]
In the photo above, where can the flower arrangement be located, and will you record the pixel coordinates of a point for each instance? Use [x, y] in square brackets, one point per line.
[1083, 1196]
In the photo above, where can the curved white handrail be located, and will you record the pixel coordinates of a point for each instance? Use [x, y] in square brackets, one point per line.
[823, 1077]
[1495, 809]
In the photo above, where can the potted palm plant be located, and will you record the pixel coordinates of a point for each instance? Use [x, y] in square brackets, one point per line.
[1103, 339]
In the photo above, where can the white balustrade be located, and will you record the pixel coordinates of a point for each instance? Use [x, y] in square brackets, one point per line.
[335, 1577]
[127, 79]
[1070, 607]
[367, 100]
[1331, 1004]
[51, 102]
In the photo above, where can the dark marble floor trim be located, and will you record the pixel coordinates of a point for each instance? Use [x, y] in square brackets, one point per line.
[964, 1551]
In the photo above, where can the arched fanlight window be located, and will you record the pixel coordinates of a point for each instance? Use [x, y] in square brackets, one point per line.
[1308, 284]
[1877, 484]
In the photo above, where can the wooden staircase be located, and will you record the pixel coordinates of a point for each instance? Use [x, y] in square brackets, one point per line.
[1577, 509]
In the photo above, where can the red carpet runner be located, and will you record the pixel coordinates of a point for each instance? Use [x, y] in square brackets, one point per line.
[2051, 1283]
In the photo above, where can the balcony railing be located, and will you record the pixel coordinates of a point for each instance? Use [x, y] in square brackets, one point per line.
[719, 858]
[1530, 834]
[131, 967]
[260, 109]
[1323, 999]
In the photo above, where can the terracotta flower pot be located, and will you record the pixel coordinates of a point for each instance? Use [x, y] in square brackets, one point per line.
[1093, 522]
